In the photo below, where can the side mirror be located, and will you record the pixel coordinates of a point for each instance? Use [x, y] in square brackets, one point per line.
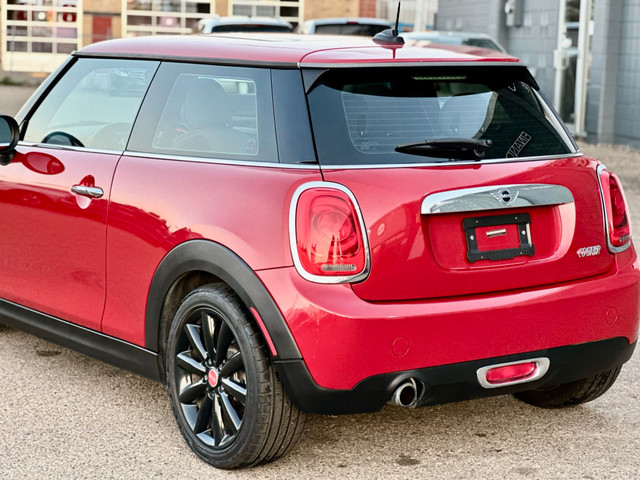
[9, 136]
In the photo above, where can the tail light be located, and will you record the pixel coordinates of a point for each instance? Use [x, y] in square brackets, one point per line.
[328, 240]
[616, 212]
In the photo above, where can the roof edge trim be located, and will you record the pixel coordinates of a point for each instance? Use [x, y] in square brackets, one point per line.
[182, 59]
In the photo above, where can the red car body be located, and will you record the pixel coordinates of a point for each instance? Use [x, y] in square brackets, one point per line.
[105, 274]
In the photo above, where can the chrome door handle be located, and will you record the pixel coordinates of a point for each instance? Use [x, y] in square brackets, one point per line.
[91, 192]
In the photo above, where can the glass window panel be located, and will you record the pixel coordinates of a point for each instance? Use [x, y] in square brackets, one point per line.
[209, 112]
[95, 102]
[362, 117]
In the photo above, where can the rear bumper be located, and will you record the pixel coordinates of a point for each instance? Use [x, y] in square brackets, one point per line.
[344, 340]
[449, 383]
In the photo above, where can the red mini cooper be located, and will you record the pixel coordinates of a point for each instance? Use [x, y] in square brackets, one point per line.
[285, 224]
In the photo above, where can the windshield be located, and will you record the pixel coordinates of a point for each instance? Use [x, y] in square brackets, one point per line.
[362, 116]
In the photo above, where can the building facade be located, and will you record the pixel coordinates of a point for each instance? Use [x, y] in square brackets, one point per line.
[36, 35]
[585, 55]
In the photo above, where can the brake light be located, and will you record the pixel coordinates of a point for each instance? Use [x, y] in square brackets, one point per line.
[617, 222]
[327, 240]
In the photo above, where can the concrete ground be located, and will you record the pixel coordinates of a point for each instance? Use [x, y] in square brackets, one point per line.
[64, 415]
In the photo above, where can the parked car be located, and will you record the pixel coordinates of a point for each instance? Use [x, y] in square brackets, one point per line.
[454, 38]
[362, 26]
[274, 225]
[243, 24]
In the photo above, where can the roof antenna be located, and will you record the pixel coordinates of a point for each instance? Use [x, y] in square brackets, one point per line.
[390, 36]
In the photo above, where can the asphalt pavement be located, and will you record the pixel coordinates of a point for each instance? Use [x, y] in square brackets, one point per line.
[66, 416]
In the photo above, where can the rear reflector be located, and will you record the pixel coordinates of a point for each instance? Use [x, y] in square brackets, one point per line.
[512, 373]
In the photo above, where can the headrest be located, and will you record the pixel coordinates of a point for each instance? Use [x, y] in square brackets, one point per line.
[206, 104]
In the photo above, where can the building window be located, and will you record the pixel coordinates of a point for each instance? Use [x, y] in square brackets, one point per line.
[159, 17]
[39, 33]
[290, 10]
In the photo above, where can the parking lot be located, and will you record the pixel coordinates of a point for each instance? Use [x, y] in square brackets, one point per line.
[64, 415]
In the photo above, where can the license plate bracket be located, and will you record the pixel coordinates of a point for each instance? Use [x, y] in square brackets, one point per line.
[511, 237]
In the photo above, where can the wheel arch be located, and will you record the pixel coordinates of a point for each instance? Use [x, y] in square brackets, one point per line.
[198, 262]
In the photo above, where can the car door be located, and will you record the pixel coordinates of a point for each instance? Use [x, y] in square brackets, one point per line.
[54, 195]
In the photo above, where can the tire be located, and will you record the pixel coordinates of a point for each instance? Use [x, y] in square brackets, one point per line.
[573, 393]
[230, 407]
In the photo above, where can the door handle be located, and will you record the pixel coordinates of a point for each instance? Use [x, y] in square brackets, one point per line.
[91, 192]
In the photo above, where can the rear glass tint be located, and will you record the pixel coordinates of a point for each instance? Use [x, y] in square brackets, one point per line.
[362, 29]
[362, 116]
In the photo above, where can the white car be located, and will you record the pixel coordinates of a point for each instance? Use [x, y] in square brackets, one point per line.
[456, 38]
[362, 26]
[243, 24]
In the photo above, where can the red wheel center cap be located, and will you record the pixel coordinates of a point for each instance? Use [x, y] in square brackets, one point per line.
[212, 378]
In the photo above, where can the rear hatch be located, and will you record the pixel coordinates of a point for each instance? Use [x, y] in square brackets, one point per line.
[466, 180]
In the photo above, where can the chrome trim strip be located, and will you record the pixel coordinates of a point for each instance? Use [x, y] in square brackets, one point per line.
[180, 158]
[453, 164]
[542, 363]
[358, 277]
[491, 198]
[221, 161]
[52, 146]
[605, 219]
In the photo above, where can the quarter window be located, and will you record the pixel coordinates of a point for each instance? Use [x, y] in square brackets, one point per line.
[94, 104]
[210, 112]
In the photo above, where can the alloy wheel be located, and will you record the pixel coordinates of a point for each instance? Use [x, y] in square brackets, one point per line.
[210, 378]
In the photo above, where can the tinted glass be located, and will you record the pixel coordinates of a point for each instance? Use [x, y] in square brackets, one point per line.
[208, 111]
[248, 28]
[350, 29]
[361, 116]
[5, 133]
[482, 42]
[93, 105]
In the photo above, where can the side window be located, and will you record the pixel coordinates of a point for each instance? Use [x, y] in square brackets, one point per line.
[93, 105]
[208, 111]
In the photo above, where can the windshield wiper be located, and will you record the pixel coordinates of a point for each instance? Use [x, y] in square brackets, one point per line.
[451, 148]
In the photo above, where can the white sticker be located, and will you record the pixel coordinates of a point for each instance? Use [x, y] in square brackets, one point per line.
[523, 139]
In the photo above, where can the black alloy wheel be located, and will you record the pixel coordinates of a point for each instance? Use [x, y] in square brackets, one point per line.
[210, 376]
[229, 405]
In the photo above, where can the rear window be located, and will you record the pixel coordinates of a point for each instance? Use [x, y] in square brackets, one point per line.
[363, 116]
[248, 27]
[362, 29]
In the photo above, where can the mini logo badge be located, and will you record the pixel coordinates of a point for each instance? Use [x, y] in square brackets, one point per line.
[212, 378]
[588, 251]
[505, 196]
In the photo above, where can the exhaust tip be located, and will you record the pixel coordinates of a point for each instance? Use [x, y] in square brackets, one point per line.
[406, 395]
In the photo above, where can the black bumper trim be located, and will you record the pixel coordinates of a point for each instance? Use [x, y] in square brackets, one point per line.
[449, 383]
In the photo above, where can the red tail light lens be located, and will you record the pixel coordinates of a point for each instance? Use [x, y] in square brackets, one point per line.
[329, 244]
[616, 212]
